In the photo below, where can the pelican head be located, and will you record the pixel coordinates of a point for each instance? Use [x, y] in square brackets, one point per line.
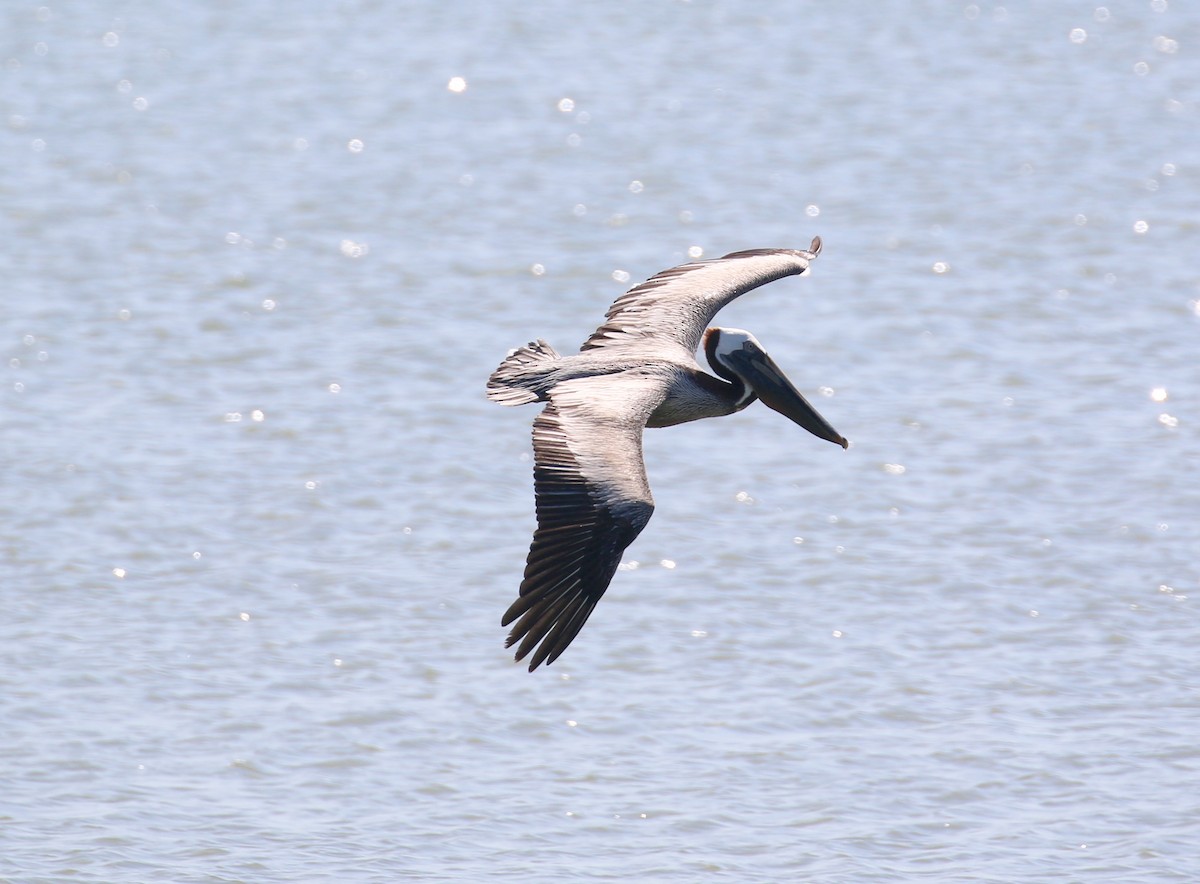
[739, 358]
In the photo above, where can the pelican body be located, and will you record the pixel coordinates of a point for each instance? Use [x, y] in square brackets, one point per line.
[637, 370]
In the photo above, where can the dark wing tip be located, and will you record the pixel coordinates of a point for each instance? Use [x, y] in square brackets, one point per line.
[565, 577]
[809, 254]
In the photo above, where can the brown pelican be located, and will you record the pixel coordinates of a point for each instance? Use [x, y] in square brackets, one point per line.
[637, 370]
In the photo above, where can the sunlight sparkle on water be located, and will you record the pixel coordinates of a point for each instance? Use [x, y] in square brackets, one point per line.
[1159, 394]
[695, 252]
[457, 84]
[1078, 35]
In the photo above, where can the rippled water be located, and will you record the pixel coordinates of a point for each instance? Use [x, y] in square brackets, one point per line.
[259, 523]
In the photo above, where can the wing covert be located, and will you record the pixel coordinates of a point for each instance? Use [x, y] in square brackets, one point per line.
[679, 303]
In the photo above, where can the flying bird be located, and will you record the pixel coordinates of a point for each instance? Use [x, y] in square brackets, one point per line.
[637, 370]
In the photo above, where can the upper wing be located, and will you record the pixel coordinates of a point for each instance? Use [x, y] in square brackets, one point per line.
[592, 501]
[679, 303]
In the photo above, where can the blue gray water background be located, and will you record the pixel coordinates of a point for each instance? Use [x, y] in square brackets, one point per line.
[258, 523]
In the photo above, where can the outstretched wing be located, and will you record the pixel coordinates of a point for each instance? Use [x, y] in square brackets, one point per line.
[678, 304]
[592, 499]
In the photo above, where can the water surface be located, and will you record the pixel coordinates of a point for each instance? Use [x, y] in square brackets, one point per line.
[259, 523]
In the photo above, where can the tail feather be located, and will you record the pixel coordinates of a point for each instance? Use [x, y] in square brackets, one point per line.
[514, 382]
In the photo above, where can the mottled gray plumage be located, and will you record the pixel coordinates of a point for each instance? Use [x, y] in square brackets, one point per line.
[637, 370]
[677, 304]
